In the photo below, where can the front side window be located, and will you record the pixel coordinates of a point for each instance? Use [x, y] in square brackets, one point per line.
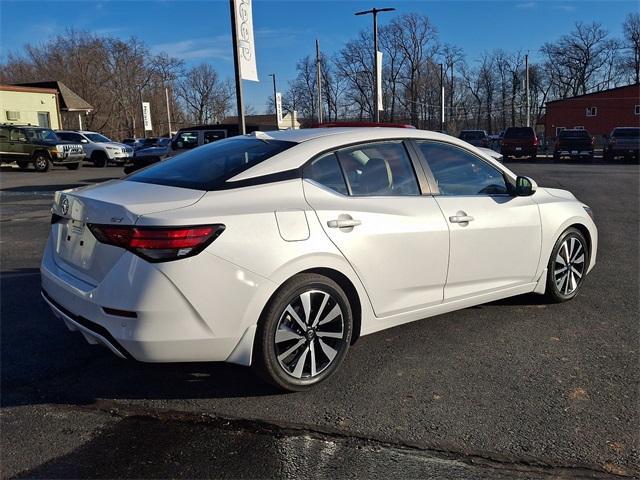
[379, 169]
[208, 167]
[326, 172]
[186, 140]
[36, 134]
[459, 172]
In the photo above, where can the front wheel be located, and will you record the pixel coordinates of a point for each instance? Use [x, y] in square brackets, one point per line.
[567, 266]
[304, 333]
[41, 162]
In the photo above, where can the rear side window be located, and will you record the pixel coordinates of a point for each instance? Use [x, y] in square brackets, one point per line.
[379, 169]
[326, 171]
[574, 134]
[519, 132]
[208, 167]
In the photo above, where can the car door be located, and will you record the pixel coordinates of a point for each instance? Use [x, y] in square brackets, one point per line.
[5, 153]
[371, 205]
[18, 149]
[495, 238]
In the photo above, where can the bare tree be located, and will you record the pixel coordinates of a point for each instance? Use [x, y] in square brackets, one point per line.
[631, 28]
[207, 99]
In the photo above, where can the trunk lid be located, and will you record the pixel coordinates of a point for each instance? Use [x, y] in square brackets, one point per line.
[116, 202]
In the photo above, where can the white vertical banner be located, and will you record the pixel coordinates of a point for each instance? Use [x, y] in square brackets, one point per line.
[146, 115]
[246, 45]
[279, 108]
[379, 76]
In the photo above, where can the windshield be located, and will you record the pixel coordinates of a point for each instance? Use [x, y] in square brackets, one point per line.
[37, 134]
[209, 166]
[519, 132]
[574, 134]
[96, 137]
[626, 133]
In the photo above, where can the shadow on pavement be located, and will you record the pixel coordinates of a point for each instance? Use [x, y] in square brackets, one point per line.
[36, 348]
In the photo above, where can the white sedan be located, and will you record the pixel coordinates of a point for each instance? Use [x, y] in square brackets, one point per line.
[278, 250]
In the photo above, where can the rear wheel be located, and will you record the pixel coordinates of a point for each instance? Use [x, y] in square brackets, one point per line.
[567, 266]
[304, 333]
[41, 162]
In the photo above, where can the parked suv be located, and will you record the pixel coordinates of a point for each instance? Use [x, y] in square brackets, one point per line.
[574, 144]
[623, 142]
[99, 149]
[25, 144]
[519, 142]
[477, 138]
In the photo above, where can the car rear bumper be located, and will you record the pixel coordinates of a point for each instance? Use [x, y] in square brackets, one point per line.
[143, 311]
[574, 152]
[515, 151]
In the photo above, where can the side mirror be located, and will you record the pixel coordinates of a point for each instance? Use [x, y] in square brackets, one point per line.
[525, 186]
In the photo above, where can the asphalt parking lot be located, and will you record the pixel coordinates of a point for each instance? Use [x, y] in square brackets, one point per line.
[512, 389]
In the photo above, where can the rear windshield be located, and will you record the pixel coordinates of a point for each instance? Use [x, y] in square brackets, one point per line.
[472, 135]
[519, 132]
[574, 134]
[209, 166]
[626, 132]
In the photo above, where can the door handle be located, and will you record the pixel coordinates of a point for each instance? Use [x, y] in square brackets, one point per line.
[343, 223]
[461, 217]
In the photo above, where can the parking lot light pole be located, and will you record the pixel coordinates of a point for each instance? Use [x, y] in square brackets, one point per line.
[374, 12]
[442, 126]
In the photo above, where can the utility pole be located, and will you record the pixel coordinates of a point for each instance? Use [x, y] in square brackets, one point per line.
[526, 83]
[236, 63]
[378, 79]
[319, 81]
[442, 126]
[275, 103]
[166, 93]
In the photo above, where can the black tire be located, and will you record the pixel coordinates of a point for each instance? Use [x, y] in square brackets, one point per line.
[556, 158]
[533, 157]
[23, 165]
[315, 347]
[99, 159]
[41, 162]
[505, 158]
[74, 166]
[558, 290]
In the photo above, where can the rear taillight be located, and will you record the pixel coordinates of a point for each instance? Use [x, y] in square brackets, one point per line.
[158, 244]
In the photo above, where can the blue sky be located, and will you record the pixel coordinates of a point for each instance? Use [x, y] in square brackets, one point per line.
[199, 31]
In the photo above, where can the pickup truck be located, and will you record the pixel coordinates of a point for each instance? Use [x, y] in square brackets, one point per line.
[624, 142]
[574, 144]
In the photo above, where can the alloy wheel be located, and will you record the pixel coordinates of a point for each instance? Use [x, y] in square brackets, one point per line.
[569, 265]
[310, 334]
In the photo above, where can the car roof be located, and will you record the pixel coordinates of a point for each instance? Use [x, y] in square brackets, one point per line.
[314, 141]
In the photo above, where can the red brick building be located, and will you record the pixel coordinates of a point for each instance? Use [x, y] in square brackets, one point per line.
[598, 112]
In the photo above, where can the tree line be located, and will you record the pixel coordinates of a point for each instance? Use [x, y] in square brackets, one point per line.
[486, 93]
[116, 75]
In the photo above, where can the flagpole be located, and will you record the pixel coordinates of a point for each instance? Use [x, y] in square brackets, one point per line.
[236, 63]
